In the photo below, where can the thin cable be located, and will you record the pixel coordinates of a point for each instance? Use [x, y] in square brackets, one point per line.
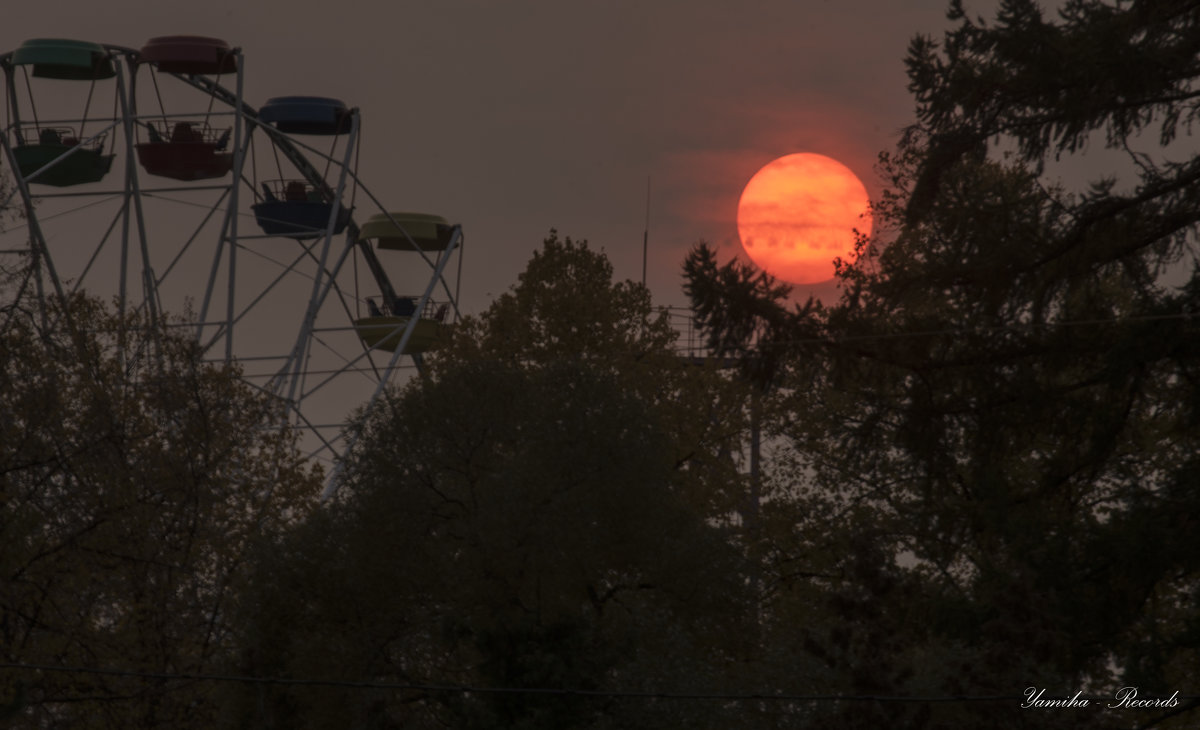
[69, 211]
[357, 292]
[253, 166]
[357, 154]
[161, 107]
[329, 158]
[551, 691]
[462, 242]
[816, 340]
[212, 99]
[278, 164]
[32, 104]
[1015, 327]
[86, 106]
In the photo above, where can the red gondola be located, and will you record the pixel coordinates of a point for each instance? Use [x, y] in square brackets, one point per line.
[187, 150]
[190, 54]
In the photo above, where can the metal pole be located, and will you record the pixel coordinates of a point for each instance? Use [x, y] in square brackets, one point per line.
[646, 232]
[300, 351]
[39, 251]
[133, 188]
[232, 219]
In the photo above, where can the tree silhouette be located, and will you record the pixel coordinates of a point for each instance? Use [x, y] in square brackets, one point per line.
[1001, 413]
[133, 483]
[541, 513]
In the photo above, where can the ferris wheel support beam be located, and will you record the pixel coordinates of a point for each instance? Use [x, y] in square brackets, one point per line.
[13, 107]
[208, 288]
[133, 194]
[455, 237]
[195, 234]
[39, 251]
[229, 225]
[231, 221]
[287, 270]
[328, 287]
[303, 340]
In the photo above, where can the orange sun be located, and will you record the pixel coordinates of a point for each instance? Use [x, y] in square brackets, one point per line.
[799, 213]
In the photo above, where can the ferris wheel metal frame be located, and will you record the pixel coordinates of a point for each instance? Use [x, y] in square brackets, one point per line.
[332, 348]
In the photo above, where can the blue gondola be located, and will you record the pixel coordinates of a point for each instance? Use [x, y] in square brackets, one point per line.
[306, 115]
[296, 208]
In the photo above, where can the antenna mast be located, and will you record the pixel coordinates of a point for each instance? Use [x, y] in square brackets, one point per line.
[646, 232]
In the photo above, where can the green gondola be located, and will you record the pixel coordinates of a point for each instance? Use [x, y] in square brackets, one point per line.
[58, 58]
[72, 160]
[75, 163]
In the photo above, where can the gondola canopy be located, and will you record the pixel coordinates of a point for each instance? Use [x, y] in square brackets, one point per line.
[190, 54]
[408, 231]
[316, 115]
[57, 58]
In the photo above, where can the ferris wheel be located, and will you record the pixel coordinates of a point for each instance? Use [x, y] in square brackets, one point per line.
[143, 175]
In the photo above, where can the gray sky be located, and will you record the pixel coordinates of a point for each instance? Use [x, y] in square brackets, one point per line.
[516, 117]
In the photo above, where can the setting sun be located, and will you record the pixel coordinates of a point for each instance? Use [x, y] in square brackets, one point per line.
[800, 212]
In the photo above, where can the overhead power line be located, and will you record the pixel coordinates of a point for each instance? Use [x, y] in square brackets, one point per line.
[755, 696]
[470, 689]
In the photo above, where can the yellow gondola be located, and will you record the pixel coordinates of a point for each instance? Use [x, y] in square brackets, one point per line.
[384, 332]
[384, 329]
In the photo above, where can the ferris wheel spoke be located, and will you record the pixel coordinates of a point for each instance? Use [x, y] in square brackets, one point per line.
[96, 252]
[212, 210]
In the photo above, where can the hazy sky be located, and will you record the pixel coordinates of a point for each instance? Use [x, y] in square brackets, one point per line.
[515, 117]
